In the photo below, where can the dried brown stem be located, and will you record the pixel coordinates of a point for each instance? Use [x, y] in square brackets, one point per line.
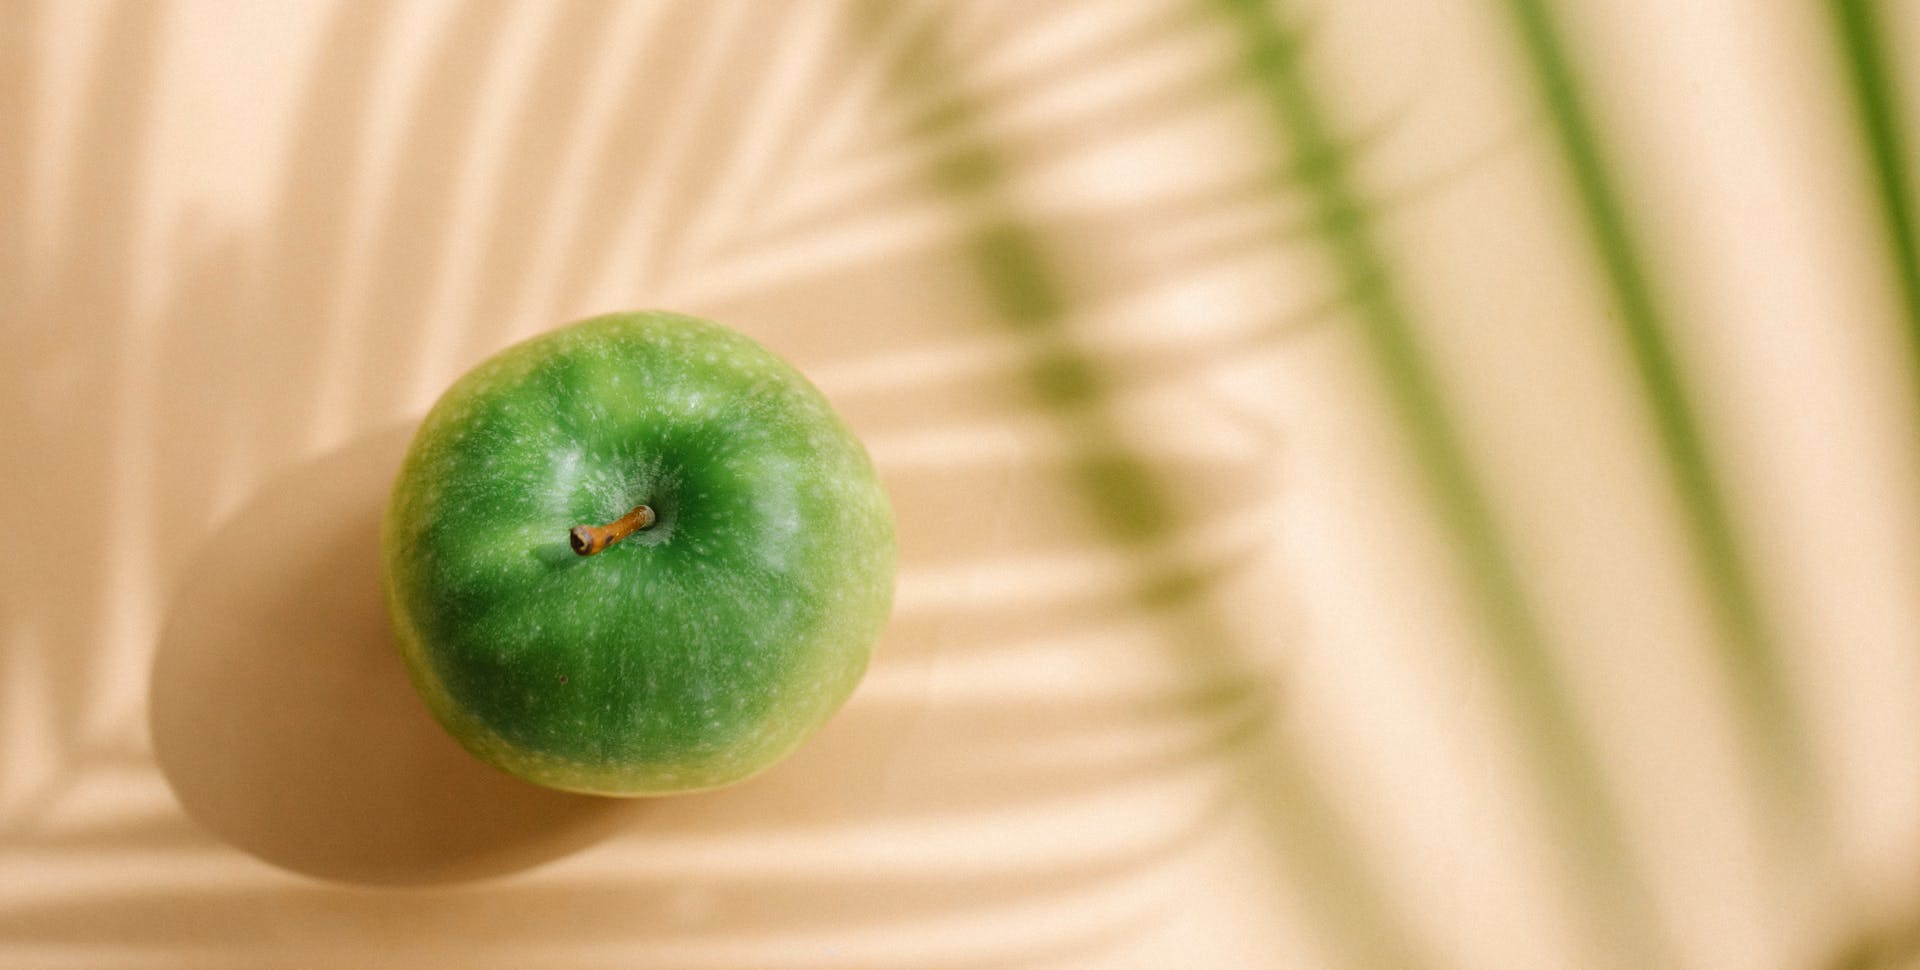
[589, 539]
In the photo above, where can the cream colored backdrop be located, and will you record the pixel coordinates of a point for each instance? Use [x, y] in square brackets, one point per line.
[1189, 666]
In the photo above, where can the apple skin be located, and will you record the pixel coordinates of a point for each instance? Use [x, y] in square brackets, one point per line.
[688, 656]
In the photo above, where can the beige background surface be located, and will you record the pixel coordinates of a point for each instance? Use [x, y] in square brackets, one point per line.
[1182, 671]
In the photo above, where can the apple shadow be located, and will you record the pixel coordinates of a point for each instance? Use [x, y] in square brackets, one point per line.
[283, 718]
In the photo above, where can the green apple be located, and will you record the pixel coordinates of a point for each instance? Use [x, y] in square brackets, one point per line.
[636, 555]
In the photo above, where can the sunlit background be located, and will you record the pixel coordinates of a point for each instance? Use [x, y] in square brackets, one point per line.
[1395, 485]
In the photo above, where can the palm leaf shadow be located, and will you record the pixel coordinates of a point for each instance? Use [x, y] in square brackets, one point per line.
[177, 413]
[306, 251]
[1124, 496]
[548, 122]
[305, 269]
[408, 253]
[1878, 100]
[1567, 766]
[655, 76]
[70, 323]
[682, 178]
[1751, 652]
[19, 63]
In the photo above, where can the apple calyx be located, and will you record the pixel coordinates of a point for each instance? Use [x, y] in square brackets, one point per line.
[589, 539]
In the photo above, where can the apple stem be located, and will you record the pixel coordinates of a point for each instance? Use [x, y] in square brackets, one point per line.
[589, 539]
